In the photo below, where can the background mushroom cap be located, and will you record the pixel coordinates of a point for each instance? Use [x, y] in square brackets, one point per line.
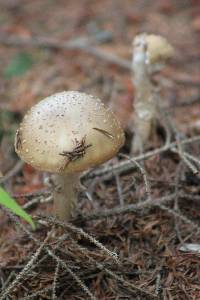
[158, 48]
[68, 132]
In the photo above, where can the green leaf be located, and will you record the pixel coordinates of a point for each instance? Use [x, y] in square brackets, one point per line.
[10, 203]
[19, 65]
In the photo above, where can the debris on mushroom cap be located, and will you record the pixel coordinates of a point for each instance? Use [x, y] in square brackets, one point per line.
[158, 48]
[68, 132]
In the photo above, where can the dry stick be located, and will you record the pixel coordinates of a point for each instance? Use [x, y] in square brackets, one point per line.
[108, 57]
[180, 216]
[128, 208]
[38, 197]
[57, 259]
[180, 147]
[55, 279]
[37, 201]
[40, 192]
[74, 276]
[186, 160]
[45, 42]
[119, 189]
[16, 169]
[135, 207]
[79, 44]
[186, 82]
[126, 165]
[180, 150]
[176, 198]
[8, 279]
[181, 153]
[87, 236]
[25, 270]
[126, 283]
[158, 284]
[189, 196]
[188, 102]
[34, 295]
[191, 157]
[100, 266]
[143, 173]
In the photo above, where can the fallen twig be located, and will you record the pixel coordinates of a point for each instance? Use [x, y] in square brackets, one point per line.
[127, 165]
[25, 270]
[87, 236]
[45, 42]
[128, 208]
[179, 216]
[56, 258]
[79, 44]
[143, 173]
[187, 102]
[55, 279]
[119, 189]
[16, 169]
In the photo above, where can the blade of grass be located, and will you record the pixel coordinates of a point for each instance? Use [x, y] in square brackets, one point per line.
[11, 204]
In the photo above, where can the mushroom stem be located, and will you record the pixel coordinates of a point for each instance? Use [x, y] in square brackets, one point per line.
[65, 195]
[144, 103]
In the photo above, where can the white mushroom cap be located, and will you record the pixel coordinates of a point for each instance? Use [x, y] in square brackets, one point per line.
[158, 49]
[68, 132]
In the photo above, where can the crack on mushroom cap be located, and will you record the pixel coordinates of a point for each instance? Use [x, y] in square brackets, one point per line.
[52, 125]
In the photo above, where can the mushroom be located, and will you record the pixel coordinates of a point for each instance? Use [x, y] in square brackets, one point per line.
[150, 53]
[65, 134]
[159, 51]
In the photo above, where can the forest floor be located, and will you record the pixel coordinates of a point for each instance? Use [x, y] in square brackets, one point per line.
[148, 214]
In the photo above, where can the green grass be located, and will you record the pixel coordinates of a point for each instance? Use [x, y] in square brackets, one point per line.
[12, 205]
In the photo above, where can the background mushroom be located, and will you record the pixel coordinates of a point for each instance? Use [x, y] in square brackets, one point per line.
[150, 53]
[66, 134]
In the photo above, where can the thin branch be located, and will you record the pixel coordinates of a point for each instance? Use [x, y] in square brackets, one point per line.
[16, 169]
[143, 173]
[87, 236]
[187, 102]
[182, 155]
[176, 198]
[25, 270]
[119, 189]
[129, 284]
[37, 193]
[184, 158]
[37, 201]
[101, 267]
[46, 42]
[179, 215]
[82, 44]
[36, 294]
[56, 258]
[74, 276]
[193, 158]
[55, 279]
[128, 208]
[126, 165]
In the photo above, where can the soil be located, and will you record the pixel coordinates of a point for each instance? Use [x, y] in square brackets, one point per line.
[149, 215]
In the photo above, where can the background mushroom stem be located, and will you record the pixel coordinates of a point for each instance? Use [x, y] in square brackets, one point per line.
[150, 54]
[144, 102]
[65, 194]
